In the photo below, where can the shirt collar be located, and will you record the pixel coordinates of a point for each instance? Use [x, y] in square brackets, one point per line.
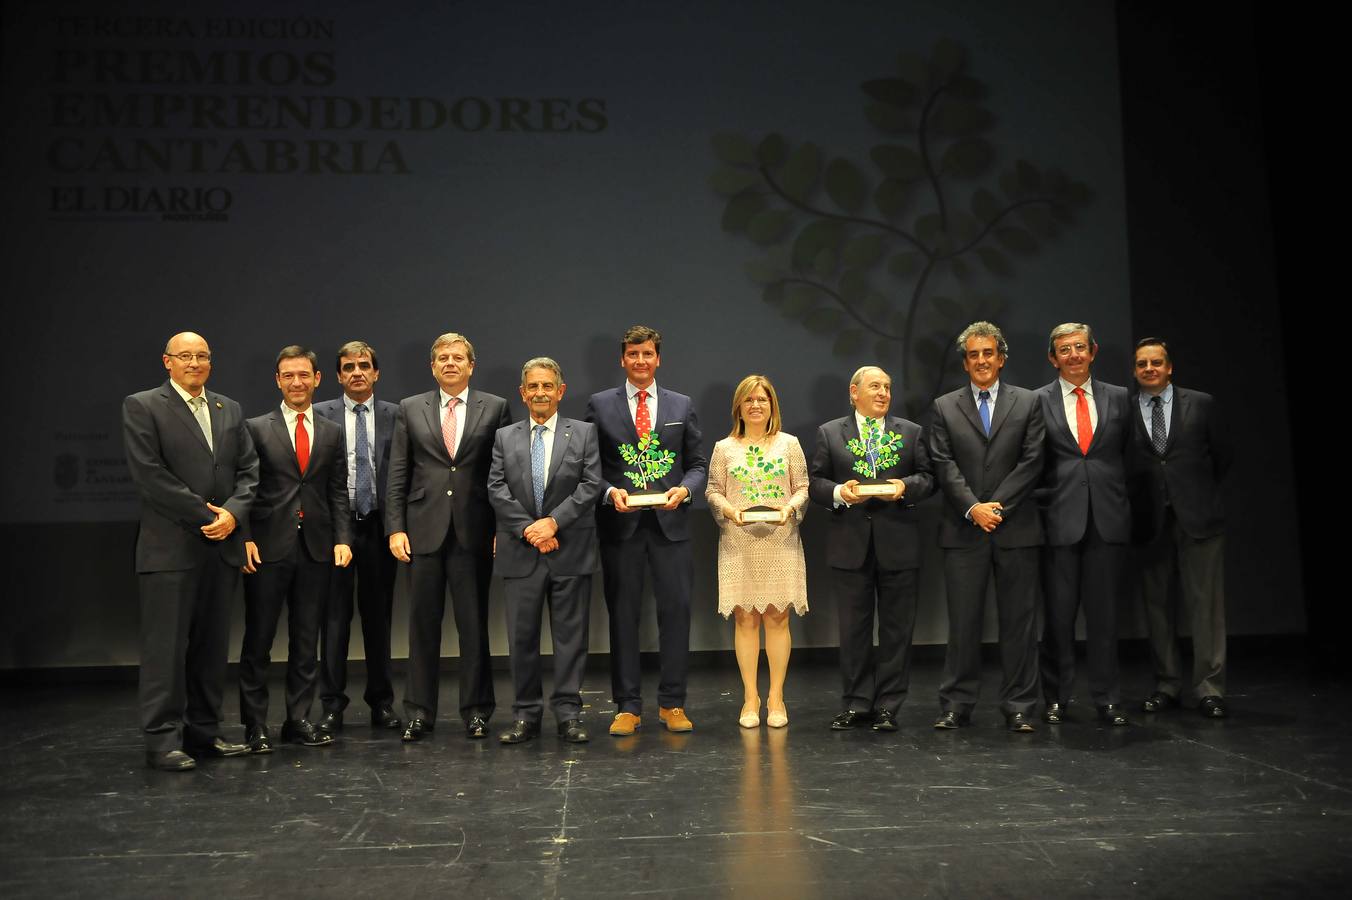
[1068, 388]
[351, 405]
[290, 415]
[976, 391]
[630, 391]
[187, 398]
[551, 424]
[1167, 395]
[445, 398]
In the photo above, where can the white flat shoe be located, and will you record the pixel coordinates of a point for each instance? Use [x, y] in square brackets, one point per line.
[750, 717]
[777, 718]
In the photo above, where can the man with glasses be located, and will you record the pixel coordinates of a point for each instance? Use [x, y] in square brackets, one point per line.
[196, 471]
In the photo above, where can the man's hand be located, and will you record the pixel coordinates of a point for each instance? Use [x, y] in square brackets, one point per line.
[342, 555]
[251, 558]
[548, 546]
[675, 496]
[847, 492]
[620, 497]
[985, 516]
[898, 490]
[541, 531]
[399, 546]
[219, 528]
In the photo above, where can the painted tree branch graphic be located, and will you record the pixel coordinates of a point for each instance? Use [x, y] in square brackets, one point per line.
[833, 228]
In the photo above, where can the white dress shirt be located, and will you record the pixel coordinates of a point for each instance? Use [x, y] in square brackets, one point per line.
[1069, 400]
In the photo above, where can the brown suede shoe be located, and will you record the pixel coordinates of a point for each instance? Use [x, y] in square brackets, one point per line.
[675, 719]
[625, 724]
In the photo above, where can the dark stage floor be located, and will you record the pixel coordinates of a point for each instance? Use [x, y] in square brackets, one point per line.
[1259, 805]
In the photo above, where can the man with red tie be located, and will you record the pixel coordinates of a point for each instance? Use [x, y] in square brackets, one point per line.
[1087, 520]
[299, 528]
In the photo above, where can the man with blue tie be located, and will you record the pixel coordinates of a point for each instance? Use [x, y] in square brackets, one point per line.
[543, 482]
[634, 539]
[986, 446]
[1178, 459]
[367, 425]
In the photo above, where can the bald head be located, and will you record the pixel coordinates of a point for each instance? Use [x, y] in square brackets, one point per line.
[871, 392]
[188, 361]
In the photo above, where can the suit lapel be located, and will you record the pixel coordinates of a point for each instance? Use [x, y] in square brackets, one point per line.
[384, 428]
[967, 403]
[279, 434]
[180, 409]
[1004, 402]
[432, 410]
[621, 400]
[1179, 416]
[1101, 407]
[1059, 425]
[474, 410]
[519, 447]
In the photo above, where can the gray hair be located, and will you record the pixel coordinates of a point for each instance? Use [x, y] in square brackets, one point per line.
[858, 376]
[1068, 328]
[541, 362]
[449, 338]
[984, 330]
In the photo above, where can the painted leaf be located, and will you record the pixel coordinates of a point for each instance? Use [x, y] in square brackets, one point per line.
[967, 158]
[898, 161]
[863, 251]
[823, 318]
[768, 226]
[801, 171]
[995, 262]
[737, 214]
[845, 185]
[895, 92]
[734, 148]
[888, 119]
[984, 205]
[890, 196]
[906, 263]
[815, 237]
[772, 151]
[854, 285]
[848, 342]
[961, 118]
[1018, 240]
[728, 181]
[762, 272]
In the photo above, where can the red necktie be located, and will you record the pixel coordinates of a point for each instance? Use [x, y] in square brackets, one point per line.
[1083, 430]
[302, 443]
[643, 420]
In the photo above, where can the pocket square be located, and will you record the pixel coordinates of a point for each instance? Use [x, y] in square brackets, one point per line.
[669, 424]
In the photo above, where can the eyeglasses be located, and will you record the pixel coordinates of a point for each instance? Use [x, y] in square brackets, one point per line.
[186, 357]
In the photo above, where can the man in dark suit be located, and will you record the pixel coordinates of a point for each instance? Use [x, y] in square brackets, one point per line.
[438, 517]
[986, 445]
[633, 539]
[545, 476]
[299, 528]
[873, 548]
[195, 470]
[1088, 521]
[368, 425]
[1177, 460]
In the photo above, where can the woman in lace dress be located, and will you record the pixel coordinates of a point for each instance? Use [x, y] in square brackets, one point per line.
[761, 573]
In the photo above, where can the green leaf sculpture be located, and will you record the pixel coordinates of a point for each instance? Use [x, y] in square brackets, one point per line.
[876, 449]
[756, 474]
[649, 460]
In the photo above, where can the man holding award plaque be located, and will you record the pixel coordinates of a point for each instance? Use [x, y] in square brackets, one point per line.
[652, 462]
[870, 470]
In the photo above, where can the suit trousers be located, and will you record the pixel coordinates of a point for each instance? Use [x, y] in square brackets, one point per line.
[185, 642]
[967, 574]
[1085, 574]
[469, 576]
[869, 679]
[568, 598]
[370, 578]
[302, 584]
[1199, 564]
[622, 565]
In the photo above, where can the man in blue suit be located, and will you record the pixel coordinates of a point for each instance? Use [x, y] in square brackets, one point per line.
[543, 483]
[657, 537]
[1088, 522]
[367, 425]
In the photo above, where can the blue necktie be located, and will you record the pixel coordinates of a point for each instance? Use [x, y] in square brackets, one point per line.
[537, 468]
[985, 409]
[366, 486]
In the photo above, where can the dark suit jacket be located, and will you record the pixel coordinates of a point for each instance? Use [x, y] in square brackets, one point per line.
[891, 526]
[177, 474]
[426, 487]
[385, 415]
[570, 497]
[283, 491]
[1073, 481]
[970, 467]
[677, 430]
[1189, 474]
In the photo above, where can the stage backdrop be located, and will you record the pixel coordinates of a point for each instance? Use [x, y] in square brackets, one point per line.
[791, 188]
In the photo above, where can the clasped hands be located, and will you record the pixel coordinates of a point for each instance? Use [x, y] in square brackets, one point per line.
[541, 534]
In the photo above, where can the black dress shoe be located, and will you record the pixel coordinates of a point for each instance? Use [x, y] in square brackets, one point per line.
[170, 760]
[951, 720]
[1212, 707]
[571, 730]
[520, 732]
[417, 729]
[1018, 722]
[303, 732]
[330, 723]
[1054, 714]
[884, 721]
[1113, 715]
[1158, 702]
[852, 718]
[384, 717]
[218, 747]
[477, 727]
[259, 740]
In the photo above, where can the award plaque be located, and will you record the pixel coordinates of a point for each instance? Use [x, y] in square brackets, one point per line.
[755, 514]
[646, 498]
[875, 487]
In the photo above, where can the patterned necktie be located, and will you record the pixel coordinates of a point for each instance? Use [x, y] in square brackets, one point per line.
[199, 412]
[365, 493]
[985, 409]
[537, 468]
[1159, 435]
[1084, 432]
[643, 420]
[448, 427]
[302, 443]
